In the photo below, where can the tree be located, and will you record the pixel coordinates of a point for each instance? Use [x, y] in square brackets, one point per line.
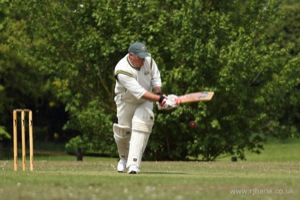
[287, 80]
[221, 46]
[22, 84]
[231, 53]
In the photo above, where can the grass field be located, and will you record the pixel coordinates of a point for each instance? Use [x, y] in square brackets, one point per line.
[275, 174]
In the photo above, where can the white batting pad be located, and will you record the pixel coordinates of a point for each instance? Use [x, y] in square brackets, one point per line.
[122, 137]
[142, 124]
[143, 120]
[138, 144]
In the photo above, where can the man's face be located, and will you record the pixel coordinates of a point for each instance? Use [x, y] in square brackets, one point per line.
[136, 60]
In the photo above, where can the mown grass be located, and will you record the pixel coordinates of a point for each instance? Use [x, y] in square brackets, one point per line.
[264, 176]
[274, 150]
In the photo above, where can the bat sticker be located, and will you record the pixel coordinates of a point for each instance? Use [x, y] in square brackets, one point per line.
[194, 97]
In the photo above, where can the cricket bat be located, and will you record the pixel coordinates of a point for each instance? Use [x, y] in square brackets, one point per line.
[194, 97]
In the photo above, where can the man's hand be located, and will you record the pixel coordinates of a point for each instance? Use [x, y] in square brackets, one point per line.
[167, 103]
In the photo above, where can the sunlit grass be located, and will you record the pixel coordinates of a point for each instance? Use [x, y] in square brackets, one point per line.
[275, 174]
[158, 180]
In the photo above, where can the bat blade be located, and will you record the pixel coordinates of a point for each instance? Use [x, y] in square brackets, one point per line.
[194, 97]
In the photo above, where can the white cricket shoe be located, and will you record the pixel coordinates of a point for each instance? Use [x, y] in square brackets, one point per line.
[122, 165]
[133, 169]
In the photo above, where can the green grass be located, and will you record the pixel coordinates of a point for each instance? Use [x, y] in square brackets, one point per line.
[283, 151]
[275, 174]
[278, 151]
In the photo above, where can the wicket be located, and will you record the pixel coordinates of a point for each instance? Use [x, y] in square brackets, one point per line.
[15, 129]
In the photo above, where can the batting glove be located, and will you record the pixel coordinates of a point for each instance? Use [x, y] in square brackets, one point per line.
[167, 103]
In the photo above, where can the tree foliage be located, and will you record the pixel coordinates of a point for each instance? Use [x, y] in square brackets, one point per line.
[22, 84]
[231, 52]
[225, 47]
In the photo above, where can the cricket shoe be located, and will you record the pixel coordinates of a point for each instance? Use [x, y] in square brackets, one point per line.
[122, 165]
[133, 169]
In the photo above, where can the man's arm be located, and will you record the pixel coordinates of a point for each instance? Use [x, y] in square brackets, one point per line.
[157, 90]
[153, 97]
[157, 96]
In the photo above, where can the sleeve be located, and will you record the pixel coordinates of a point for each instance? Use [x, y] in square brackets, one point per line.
[131, 84]
[155, 80]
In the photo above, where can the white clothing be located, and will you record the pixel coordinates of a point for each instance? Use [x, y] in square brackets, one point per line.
[132, 83]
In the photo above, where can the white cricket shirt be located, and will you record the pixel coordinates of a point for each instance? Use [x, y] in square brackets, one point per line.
[132, 83]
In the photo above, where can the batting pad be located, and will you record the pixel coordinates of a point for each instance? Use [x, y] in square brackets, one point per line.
[143, 120]
[142, 124]
[122, 137]
[138, 144]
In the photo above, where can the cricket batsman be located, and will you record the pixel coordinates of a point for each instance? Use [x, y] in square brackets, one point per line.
[138, 85]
